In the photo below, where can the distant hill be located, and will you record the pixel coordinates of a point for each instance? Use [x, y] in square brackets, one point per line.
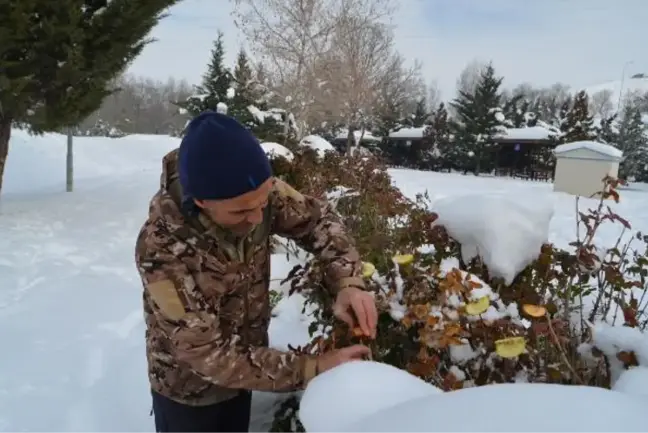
[630, 85]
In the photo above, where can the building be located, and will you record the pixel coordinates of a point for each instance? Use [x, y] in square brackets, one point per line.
[582, 165]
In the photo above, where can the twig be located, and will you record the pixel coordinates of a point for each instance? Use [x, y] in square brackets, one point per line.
[562, 350]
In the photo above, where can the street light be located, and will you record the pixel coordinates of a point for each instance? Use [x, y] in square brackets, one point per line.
[623, 75]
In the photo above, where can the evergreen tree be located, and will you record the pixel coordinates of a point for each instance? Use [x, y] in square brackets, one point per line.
[246, 92]
[57, 59]
[578, 124]
[479, 119]
[215, 91]
[437, 137]
[420, 116]
[607, 132]
[632, 141]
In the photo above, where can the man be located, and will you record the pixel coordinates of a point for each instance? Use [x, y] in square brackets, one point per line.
[204, 258]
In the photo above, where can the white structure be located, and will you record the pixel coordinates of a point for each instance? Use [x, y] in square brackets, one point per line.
[582, 165]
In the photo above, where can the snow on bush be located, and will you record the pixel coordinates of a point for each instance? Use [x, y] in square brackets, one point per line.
[506, 233]
[511, 408]
[469, 293]
[360, 396]
[317, 143]
[276, 150]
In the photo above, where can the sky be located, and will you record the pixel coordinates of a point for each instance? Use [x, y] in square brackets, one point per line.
[576, 42]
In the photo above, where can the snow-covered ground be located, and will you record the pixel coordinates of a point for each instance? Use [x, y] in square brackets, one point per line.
[70, 298]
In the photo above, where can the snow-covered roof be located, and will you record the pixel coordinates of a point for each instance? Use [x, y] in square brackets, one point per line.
[407, 133]
[603, 149]
[529, 133]
[367, 136]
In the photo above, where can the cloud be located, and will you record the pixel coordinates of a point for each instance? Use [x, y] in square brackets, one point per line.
[577, 42]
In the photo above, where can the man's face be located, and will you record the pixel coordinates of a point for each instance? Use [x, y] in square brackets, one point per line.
[239, 214]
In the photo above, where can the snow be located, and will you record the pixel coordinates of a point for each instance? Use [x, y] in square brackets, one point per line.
[360, 392]
[70, 304]
[274, 150]
[506, 233]
[627, 86]
[530, 133]
[407, 133]
[366, 136]
[603, 149]
[633, 381]
[317, 143]
[511, 407]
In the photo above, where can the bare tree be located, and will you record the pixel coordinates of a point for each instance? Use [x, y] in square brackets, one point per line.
[434, 96]
[469, 76]
[601, 103]
[296, 39]
[141, 105]
[360, 65]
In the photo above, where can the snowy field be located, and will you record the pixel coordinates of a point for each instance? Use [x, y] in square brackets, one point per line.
[70, 298]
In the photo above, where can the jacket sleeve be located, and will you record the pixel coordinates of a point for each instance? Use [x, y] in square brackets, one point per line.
[197, 341]
[317, 228]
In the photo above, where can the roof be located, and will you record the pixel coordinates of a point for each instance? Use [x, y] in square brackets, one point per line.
[606, 150]
[535, 133]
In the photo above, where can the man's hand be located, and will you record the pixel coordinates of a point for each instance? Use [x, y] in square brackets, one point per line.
[357, 307]
[337, 357]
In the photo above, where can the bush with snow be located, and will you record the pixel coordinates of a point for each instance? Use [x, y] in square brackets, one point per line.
[468, 289]
[370, 397]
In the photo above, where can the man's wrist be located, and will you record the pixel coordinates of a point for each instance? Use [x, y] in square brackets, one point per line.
[346, 282]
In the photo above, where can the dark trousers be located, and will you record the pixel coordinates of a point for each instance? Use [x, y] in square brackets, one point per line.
[228, 416]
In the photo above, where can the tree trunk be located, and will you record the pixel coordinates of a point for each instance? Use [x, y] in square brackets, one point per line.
[69, 162]
[5, 134]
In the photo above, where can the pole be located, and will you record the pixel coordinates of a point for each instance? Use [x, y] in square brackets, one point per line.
[69, 162]
[623, 75]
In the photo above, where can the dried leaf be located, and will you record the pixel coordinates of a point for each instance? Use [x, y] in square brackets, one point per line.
[403, 259]
[534, 310]
[368, 269]
[478, 307]
[510, 347]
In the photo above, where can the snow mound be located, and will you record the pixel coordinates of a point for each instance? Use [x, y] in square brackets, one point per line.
[275, 150]
[318, 144]
[633, 381]
[507, 234]
[355, 390]
[509, 407]
[604, 149]
[614, 339]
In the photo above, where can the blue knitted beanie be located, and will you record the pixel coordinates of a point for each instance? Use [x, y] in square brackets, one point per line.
[220, 159]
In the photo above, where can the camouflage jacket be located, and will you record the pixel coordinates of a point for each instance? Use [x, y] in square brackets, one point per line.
[206, 298]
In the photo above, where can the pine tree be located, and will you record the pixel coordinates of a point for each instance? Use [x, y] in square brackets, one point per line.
[246, 92]
[420, 115]
[632, 141]
[437, 138]
[57, 59]
[215, 91]
[480, 118]
[578, 124]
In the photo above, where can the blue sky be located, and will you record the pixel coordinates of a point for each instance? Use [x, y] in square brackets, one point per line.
[578, 42]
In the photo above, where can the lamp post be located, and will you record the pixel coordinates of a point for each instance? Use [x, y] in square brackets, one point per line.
[623, 75]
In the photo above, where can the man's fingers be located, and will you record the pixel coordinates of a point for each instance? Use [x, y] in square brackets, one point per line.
[361, 314]
[344, 316]
[357, 351]
[372, 315]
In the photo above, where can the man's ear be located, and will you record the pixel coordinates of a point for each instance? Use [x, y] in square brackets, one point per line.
[199, 203]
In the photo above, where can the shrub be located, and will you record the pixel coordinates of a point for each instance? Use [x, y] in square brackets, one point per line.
[447, 321]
